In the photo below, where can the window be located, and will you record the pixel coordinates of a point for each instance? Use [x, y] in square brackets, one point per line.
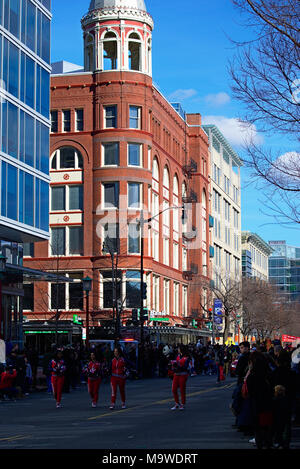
[109, 291]
[167, 296]
[133, 289]
[111, 195]
[58, 198]
[111, 238]
[58, 296]
[110, 117]
[156, 293]
[75, 293]
[166, 244]
[79, 120]
[134, 195]
[89, 54]
[54, 121]
[133, 238]
[155, 246]
[175, 256]
[135, 117]
[155, 170]
[176, 299]
[76, 240]
[134, 52]
[28, 249]
[184, 300]
[110, 51]
[67, 158]
[110, 154]
[184, 259]
[58, 241]
[134, 154]
[66, 121]
[28, 299]
[76, 197]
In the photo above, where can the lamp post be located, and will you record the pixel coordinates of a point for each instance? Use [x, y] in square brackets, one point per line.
[3, 260]
[87, 286]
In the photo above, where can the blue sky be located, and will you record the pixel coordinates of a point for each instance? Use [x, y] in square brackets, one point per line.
[191, 49]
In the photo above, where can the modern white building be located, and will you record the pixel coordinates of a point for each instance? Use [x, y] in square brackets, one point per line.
[255, 256]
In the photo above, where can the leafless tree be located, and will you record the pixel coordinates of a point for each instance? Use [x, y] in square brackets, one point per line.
[266, 77]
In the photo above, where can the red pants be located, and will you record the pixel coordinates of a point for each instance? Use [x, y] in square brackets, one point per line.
[93, 388]
[115, 383]
[57, 386]
[179, 382]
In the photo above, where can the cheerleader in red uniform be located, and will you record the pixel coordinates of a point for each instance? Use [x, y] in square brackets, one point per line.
[94, 371]
[57, 379]
[181, 372]
[118, 377]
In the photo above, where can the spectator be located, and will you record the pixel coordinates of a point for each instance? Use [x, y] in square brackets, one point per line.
[7, 383]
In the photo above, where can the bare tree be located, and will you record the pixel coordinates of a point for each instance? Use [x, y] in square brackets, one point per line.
[266, 78]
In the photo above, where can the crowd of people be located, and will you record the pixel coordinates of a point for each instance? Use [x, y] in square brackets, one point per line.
[266, 397]
[265, 400]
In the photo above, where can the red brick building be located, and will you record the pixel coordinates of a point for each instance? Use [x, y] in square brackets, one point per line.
[118, 146]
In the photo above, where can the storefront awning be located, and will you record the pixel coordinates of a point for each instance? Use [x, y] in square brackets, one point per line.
[31, 274]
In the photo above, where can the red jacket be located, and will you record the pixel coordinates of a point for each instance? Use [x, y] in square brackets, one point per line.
[182, 366]
[58, 368]
[94, 370]
[7, 379]
[118, 367]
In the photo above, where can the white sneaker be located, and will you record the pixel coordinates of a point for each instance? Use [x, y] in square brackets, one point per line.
[112, 407]
[123, 406]
[181, 407]
[252, 441]
[175, 407]
[58, 406]
[94, 405]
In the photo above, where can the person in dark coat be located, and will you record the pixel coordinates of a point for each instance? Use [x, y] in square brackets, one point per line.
[260, 395]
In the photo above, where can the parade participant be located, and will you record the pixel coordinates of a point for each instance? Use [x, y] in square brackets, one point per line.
[57, 379]
[181, 373]
[94, 371]
[118, 377]
[7, 380]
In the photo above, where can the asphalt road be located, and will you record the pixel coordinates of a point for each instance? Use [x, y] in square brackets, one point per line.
[147, 423]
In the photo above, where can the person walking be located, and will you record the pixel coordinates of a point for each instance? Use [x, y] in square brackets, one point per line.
[94, 371]
[118, 377]
[58, 368]
[181, 373]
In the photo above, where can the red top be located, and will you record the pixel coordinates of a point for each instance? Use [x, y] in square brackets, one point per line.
[7, 379]
[58, 368]
[182, 365]
[94, 370]
[118, 367]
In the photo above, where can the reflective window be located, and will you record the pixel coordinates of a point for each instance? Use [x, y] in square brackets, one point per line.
[29, 199]
[76, 240]
[66, 121]
[54, 121]
[58, 241]
[111, 195]
[58, 197]
[134, 154]
[13, 84]
[76, 197]
[111, 154]
[66, 158]
[110, 116]
[12, 143]
[134, 195]
[29, 140]
[133, 238]
[134, 117]
[79, 120]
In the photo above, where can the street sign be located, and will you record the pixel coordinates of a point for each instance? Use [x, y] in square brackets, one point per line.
[218, 320]
[218, 307]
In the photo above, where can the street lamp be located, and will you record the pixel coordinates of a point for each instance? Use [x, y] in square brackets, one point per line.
[3, 260]
[87, 286]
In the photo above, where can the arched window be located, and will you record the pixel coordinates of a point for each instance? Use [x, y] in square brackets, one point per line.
[175, 186]
[134, 52]
[155, 170]
[184, 190]
[67, 158]
[89, 53]
[166, 180]
[204, 199]
[110, 51]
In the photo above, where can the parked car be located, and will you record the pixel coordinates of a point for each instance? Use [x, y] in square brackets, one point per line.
[233, 368]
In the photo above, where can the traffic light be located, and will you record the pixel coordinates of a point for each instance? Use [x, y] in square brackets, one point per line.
[134, 315]
[210, 313]
[145, 314]
[144, 291]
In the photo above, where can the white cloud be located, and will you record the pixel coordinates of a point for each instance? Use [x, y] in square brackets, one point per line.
[236, 132]
[287, 168]
[218, 99]
[181, 95]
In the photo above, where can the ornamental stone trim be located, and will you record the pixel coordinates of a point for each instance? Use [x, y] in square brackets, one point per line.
[117, 13]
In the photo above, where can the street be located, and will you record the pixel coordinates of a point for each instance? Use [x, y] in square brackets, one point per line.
[147, 422]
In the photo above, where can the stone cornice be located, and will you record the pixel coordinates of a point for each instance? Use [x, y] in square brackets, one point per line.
[119, 13]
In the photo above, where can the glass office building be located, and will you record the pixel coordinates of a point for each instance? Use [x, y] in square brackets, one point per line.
[24, 146]
[24, 117]
[284, 269]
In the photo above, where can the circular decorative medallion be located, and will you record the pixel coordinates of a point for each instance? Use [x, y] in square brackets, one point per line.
[66, 218]
[66, 177]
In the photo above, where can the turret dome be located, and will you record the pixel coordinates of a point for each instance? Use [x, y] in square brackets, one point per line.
[98, 4]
